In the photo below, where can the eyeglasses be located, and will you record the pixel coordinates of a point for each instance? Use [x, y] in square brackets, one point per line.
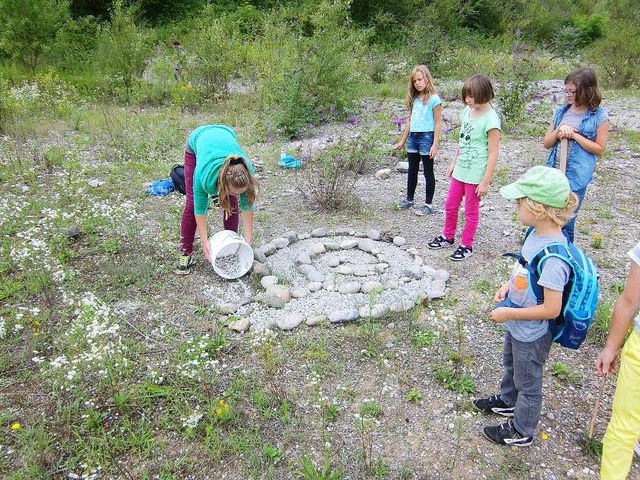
[570, 91]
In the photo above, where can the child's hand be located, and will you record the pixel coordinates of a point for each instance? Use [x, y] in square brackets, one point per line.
[606, 362]
[482, 189]
[398, 146]
[566, 131]
[450, 168]
[206, 250]
[499, 315]
[433, 151]
[501, 294]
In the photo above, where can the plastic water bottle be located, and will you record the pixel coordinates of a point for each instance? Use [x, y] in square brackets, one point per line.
[283, 153]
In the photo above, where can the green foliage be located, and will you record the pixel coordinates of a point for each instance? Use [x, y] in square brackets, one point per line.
[570, 39]
[561, 371]
[75, 44]
[308, 470]
[121, 50]
[29, 28]
[459, 383]
[618, 52]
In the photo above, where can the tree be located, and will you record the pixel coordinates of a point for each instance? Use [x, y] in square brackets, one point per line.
[30, 28]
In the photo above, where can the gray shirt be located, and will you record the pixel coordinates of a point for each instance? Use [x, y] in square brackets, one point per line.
[555, 275]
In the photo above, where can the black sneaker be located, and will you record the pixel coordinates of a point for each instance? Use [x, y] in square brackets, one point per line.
[461, 253]
[493, 404]
[425, 210]
[506, 434]
[440, 242]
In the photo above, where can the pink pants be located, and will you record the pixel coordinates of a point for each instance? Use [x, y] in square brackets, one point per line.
[457, 190]
[188, 224]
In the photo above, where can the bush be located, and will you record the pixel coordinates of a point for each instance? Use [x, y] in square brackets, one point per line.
[618, 53]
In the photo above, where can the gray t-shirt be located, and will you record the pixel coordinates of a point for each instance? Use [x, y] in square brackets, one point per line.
[573, 120]
[555, 275]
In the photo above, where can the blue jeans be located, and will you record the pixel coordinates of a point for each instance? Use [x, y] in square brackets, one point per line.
[418, 148]
[571, 224]
[420, 142]
[521, 384]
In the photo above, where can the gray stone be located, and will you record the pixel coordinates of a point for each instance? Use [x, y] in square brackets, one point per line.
[268, 281]
[399, 241]
[429, 270]
[273, 301]
[280, 291]
[442, 274]
[391, 285]
[315, 276]
[414, 271]
[333, 262]
[290, 321]
[349, 244]
[343, 231]
[372, 286]
[375, 251]
[315, 320]
[363, 272]
[316, 249]
[259, 269]
[259, 255]
[303, 259]
[345, 270]
[402, 167]
[366, 245]
[314, 286]
[304, 236]
[291, 236]
[374, 234]
[281, 242]
[320, 232]
[341, 316]
[379, 310]
[228, 308]
[417, 260]
[305, 269]
[433, 294]
[381, 267]
[241, 325]
[331, 246]
[438, 285]
[413, 251]
[383, 173]
[349, 287]
[359, 234]
[299, 292]
[269, 248]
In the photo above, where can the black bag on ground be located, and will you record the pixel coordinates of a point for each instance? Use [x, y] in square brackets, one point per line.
[177, 176]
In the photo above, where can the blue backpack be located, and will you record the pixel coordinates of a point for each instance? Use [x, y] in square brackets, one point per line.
[580, 296]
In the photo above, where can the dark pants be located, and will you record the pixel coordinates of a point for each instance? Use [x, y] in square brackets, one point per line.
[412, 175]
[522, 380]
[188, 224]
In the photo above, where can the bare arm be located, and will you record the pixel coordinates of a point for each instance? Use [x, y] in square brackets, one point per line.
[247, 225]
[437, 122]
[549, 309]
[494, 145]
[596, 147]
[551, 137]
[625, 308]
[201, 222]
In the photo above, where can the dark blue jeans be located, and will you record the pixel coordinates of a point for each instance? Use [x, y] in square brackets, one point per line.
[418, 148]
[571, 224]
[521, 384]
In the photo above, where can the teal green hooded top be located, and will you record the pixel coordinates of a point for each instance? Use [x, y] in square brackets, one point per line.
[212, 144]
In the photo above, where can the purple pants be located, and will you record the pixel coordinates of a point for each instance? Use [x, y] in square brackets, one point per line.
[457, 190]
[188, 224]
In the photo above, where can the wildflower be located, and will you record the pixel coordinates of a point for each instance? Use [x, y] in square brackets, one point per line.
[16, 426]
[544, 436]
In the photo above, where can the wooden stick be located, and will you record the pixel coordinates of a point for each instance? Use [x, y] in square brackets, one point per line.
[595, 410]
[564, 147]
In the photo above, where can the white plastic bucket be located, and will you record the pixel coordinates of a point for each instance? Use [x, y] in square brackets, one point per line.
[231, 256]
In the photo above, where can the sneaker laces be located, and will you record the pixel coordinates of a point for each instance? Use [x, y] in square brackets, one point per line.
[184, 260]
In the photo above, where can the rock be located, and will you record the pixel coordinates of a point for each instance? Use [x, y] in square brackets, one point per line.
[391, 285]
[417, 260]
[442, 275]
[374, 234]
[333, 262]
[315, 276]
[331, 246]
[366, 245]
[349, 287]
[383, 173]
[259, 255]
[281, 291]
[303, 259]
[433, 294]
[402, 167]
[291, 236]
[372, 287]
[414, 271]
[316, 249]
[399, 241]
[269, 248]
[241, 325]
[315, 320]
[73, 233]
[228, 308]
[345, 270]
[290, 321]
[259, 269]
[306, 269]
[379, 310]
[268, 281]
[348, 244]
[342, 231]
[363, 272]
[320, 232]
[314, 286]
[281, 242]
[342, 316]
[271, 300]
[429, 270]
[299, 292]
[438, 285]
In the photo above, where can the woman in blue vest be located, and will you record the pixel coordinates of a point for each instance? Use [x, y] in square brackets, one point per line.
[586, 126]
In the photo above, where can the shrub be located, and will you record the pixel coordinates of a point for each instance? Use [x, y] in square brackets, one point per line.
[618, 53]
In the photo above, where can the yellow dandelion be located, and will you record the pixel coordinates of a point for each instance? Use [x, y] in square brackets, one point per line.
[545, 436]
[221, 402]
[16, 426]
[226, 406]
[218, 411]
